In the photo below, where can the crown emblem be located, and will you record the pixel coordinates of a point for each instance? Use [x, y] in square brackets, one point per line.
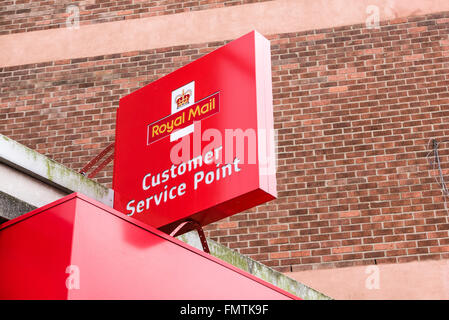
[183, 98]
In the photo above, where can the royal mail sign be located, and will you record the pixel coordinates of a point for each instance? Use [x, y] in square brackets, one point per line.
[185, 118]
[199, 143]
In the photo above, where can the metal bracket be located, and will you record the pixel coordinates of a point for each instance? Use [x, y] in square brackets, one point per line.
[103, 164]
[198, 229]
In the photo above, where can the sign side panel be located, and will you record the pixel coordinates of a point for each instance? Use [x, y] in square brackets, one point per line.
[266, 145]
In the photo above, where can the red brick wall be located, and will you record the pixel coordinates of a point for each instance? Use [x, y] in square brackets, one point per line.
[355, 109]
[30, 15]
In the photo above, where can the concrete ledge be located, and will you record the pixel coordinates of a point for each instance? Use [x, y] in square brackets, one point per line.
[255, 268]
[50, 172]
[26, 188]
[11, 207]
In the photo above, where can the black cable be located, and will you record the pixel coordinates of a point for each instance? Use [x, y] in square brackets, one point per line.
[436, 164]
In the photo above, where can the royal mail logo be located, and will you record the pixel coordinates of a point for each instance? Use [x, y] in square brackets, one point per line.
[183, 99]
[184, 118]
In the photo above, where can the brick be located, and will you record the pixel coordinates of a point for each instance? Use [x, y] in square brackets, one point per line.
[353, 178]
[301, 253]
[279, 255]
[227, 225]
[413, 57]
[316, 37]
[341, 250]
[349, 214]
[338, 89]
[417, 29]
[439, 249]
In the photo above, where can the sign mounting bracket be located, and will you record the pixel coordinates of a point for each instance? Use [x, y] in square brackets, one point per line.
[198, 229]
[99, 157]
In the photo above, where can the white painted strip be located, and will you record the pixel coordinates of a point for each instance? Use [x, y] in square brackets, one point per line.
[272, 17]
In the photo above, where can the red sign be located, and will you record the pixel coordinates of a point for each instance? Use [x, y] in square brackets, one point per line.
[199, 142]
